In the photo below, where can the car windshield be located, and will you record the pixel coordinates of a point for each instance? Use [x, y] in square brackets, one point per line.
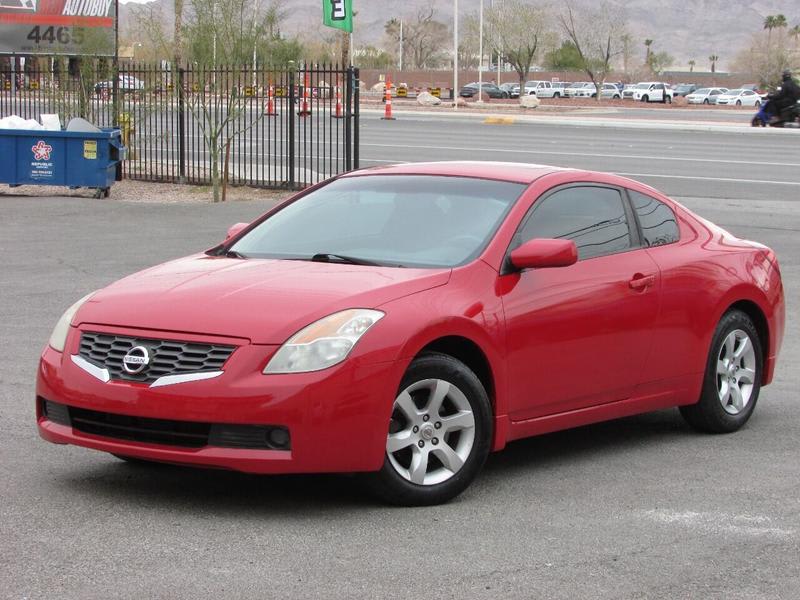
[642, 86]
[393, 220]
[734, 92]
[701, 91]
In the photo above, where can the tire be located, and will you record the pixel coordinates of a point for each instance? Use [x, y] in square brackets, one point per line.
[557, 95]
[705, 101]
[414, 437]
[504, 95]
[756, 122]
[738, 103]
[669, 100]
[735, 357]
[645, 99]
[758, 104]
[615, 97]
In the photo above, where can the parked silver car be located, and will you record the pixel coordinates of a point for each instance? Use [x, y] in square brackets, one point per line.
[705, 95]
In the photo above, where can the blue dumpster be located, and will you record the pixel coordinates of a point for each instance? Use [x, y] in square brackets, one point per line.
[72, 159]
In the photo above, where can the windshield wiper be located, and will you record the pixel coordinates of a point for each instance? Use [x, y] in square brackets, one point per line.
[350, 260]
[234, 254]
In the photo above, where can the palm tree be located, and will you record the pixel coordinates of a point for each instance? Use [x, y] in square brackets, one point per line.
[713, 58]
[691, 66]
[795, 33]
[647, 44]
[780, 21]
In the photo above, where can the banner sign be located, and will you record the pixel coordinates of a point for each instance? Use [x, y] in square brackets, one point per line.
[74, 27]
[338, 14]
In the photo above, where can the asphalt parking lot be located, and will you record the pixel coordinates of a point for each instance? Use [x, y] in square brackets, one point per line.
[638, 508]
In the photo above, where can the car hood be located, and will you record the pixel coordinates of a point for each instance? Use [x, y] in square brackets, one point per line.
[265, 301]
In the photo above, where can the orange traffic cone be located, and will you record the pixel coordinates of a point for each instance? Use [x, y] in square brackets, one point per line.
[271, 111]
[387, 113]
[305, 107]
[338, 110]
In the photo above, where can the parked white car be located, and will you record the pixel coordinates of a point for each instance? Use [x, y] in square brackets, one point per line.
[705, 95]
[652, 91]
[542, 89]
[573, 88]
[590, 91]
[739, 97]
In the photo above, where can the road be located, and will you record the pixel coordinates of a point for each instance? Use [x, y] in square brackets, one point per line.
[638, 508]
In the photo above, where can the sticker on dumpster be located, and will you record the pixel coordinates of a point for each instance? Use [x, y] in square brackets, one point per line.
[41, 151]
[41, 168]
[90, 149]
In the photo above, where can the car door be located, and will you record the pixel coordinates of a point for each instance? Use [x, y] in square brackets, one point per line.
[579, 336]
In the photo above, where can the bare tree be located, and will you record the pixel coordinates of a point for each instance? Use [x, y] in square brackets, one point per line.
[177, 38]
[598, 36]
[518, 29]
[424, 38]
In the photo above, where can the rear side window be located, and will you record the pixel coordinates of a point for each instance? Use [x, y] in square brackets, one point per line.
[658, 222]
[593, 217]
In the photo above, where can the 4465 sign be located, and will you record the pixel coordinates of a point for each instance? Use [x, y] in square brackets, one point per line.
[75, 27]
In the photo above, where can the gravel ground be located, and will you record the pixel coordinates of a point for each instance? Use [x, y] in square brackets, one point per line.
[149, 192]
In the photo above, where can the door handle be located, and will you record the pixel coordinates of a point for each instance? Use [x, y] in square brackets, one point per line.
[641, 282]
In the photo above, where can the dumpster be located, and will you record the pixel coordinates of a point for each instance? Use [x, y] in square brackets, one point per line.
[72, 159]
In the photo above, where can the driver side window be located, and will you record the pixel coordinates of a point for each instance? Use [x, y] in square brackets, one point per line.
[593, 217]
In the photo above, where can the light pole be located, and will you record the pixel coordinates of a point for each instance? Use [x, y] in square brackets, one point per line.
[401, 45]
[455, 53]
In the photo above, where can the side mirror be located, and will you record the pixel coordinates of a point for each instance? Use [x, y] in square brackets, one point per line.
[234, 230]
[544, 254]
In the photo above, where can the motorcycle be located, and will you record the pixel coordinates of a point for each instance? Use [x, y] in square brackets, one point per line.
[788, 117]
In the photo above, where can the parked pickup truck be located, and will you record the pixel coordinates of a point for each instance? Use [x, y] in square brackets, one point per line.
[652, 91]
[543, 89]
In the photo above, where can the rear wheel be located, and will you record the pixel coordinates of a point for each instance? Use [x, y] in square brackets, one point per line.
[732, 378]
[705, 101]
[758, 103]
[439, 434]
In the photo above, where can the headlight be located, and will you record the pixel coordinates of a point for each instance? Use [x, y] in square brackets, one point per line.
[59, 336]
[324, 343]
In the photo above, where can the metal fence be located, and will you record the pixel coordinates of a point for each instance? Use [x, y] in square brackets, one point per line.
[279, 128]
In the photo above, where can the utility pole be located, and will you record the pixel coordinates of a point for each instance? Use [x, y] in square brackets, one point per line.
[401, 44]
[480, 56]
[455, 53]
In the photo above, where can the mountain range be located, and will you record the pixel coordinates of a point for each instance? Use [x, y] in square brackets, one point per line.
[686, 29]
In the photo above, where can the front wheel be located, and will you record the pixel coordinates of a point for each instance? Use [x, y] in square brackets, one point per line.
[705, 101]
[738, 103]
[758, 103]
[645, 99]
[732, 378]
[439, 434]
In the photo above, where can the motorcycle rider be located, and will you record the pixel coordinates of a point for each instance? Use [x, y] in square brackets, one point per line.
[788, 95]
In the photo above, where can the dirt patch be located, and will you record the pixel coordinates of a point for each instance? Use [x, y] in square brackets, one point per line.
[150, 192]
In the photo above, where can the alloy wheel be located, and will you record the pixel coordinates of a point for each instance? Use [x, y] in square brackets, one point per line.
[736, 371]
[432, 432]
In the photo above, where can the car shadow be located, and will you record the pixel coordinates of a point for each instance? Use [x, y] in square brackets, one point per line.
[238, 494]
[590, 442]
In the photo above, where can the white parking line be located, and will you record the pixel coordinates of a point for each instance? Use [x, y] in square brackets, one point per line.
[696, 178]
[586, 154]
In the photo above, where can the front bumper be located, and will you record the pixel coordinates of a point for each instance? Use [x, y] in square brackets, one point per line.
[337, 418]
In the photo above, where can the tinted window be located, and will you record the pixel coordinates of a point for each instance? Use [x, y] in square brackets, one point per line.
[593, 217]
[657, 220]
[409, 220]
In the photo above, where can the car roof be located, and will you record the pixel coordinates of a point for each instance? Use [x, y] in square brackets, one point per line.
[503, 171]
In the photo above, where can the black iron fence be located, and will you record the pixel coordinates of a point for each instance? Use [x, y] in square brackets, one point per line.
[284, 128]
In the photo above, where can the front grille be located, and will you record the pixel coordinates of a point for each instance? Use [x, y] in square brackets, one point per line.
[167, 357]
[185, 434]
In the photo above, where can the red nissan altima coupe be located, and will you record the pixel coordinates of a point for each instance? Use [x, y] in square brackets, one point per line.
[406, 321]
